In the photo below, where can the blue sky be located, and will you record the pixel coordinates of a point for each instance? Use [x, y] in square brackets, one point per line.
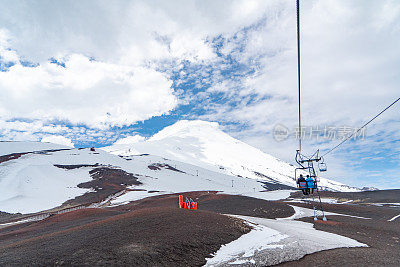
[95, 72]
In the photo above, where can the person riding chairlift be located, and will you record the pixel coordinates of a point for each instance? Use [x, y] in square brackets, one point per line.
[310, 184]
[302, 184]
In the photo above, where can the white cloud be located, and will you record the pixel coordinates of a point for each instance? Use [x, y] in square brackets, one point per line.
[350, 72]
[130, 140]
[125, 31]
[129, 40]
[6, 54]
[58, 139]
[94, 93]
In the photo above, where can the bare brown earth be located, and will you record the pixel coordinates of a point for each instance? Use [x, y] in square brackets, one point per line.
[365, 197]
[155, 232]
[142, 237]
[105, 182]
[148, 232]
[241, 205]
[4, 216]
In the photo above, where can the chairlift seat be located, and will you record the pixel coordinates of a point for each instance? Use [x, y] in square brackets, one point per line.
[322, 167]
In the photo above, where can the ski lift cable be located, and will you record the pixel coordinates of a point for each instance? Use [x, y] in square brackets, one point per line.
[359, 129]
[299, 91]
[298, 67]
[298, 154]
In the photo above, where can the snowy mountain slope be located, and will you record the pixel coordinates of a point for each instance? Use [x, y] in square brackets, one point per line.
[191, 178]
[33, 183]
[203, 144]
[10, 147]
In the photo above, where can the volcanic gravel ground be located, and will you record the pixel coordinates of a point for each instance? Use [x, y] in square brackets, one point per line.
[155, 232]
[381, 196]
[149, 232]
[6, 217]
[242, 205]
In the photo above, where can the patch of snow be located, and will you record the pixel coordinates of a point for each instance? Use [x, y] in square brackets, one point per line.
[383, 204]
[31, 219]
[300, 212]
[299, 239]
[394, 218]
[346, 202]
[305, 231]
[132, 196]
[323, 200]
[259, 238]
[244, 261]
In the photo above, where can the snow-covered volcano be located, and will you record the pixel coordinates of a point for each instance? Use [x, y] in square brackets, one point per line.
[204, 144]
[187, 156]
[64, 178]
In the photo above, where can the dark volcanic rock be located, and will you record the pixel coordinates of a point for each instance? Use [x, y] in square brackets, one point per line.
[106, 182]
[159, 166]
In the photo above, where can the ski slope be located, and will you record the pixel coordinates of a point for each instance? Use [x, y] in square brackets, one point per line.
[203, 144]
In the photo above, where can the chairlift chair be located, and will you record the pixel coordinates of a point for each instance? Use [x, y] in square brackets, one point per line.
[322, 167]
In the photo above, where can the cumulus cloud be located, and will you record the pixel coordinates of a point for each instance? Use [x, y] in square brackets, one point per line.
[350, 72]
[348, 64]
[125, 31]
[58, 139]
[6, 55]
[84, 91]
[108, 56]
[130, 140]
